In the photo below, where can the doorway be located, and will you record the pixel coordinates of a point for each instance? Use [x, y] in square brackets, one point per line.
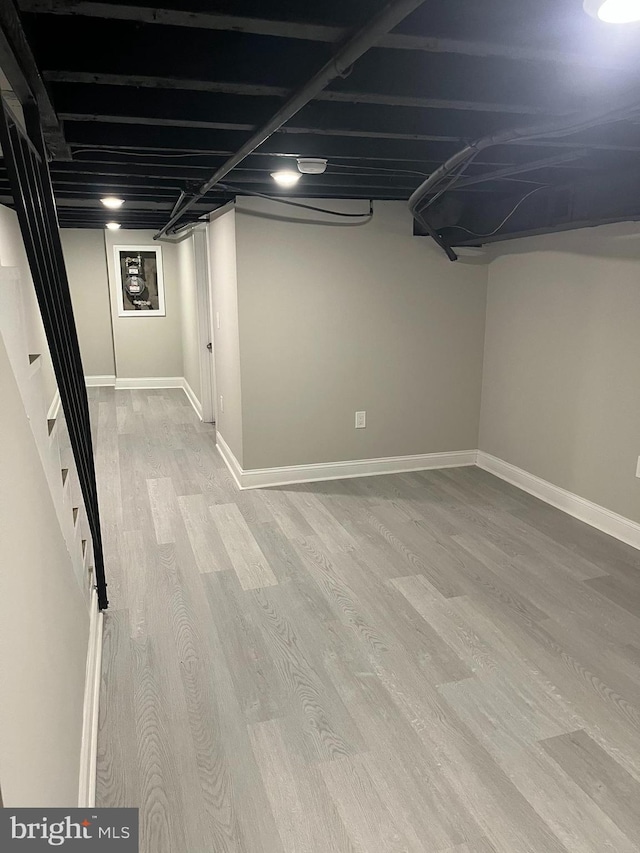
[205, 326]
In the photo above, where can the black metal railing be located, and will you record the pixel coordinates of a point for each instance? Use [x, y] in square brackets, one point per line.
[26, 163]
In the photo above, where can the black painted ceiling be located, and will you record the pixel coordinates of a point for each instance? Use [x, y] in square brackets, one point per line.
[154, 100]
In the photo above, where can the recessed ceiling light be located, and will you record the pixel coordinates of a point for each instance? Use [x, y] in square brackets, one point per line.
[614, 11]
[112, 202]
[286, 178]
[113, 226]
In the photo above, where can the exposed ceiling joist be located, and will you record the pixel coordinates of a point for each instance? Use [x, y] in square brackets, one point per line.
[522, 168]
[167, 171]
[254, 90]
[183, 159]
[340, 62]
[304, 31]
[330, 178]
[164, 207]
[103, 185]
[444, 215]
[21, 70]
[145, 123]
[141, 121]
[158, 121]
[173, 154]
[595, 200]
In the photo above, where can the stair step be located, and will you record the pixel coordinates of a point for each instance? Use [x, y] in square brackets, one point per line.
[65, 474]
[84, 548]
[51, 422]
[33, 356]
[75, 511]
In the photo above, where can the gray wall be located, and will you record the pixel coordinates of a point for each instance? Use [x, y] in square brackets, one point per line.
[189, 313]
[137, 347]
[84, 254]
[221, 234]
[44, 625]
[335, 319]
[147, 346]
[562, 362]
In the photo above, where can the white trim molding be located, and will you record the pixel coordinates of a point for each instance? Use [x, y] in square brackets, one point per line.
[191, 395]
[205, 326]
[123, 311]
[123, 384]
[105, 381]
[591, 513]
[90, 718]
[230, 460]
[54, 408]
[259, 478]
[142, 382]
[597, 516]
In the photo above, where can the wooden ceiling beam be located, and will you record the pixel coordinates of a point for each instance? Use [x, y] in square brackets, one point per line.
[303, 31]
[287, 130]
[254, 90]
[21, 71]
[177, 158]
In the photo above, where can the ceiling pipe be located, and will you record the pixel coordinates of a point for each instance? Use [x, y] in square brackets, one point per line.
[386, 20]
[179, 201]
[519, 169]
[573, 123]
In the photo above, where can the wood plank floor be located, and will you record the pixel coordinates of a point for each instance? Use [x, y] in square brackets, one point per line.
[420, 662]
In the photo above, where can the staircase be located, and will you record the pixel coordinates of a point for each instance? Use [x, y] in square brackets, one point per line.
[48, 427]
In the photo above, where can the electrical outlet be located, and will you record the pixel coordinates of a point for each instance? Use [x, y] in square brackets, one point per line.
[221, 403]
[361, 420]
[638, 468]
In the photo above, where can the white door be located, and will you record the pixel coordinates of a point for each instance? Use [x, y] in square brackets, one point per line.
[205, 326]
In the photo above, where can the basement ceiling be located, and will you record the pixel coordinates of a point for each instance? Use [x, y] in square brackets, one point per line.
[152, 101]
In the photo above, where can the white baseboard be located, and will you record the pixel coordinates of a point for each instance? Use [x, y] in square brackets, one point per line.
[230, 460]
[259, 478]
[609, 522]
[597, 516]
[123, 384]
[89, 744]
[197, 405]
[100, 381]
[142, 382]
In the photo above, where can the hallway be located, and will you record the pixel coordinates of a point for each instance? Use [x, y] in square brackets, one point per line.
[421, 662]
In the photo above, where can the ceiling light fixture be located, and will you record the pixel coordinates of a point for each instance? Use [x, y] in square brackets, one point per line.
[113, 226]
[112, 202]
[614, 11]
[286, 177]
[312, 165]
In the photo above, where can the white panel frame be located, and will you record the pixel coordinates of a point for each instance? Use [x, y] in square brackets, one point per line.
[161, 310]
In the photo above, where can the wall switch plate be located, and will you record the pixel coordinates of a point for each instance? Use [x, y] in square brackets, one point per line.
[638, 468]
[217, 319]
[221, 403]
[361, 420]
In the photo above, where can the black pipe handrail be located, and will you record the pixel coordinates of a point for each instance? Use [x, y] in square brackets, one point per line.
[26, 163]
